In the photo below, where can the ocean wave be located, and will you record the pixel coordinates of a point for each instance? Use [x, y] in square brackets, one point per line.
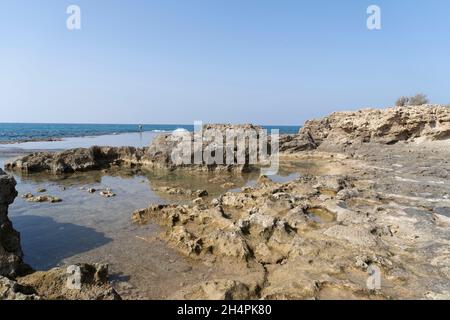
[180, 130]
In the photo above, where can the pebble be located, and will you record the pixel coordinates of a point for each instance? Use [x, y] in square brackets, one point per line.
[107, 193]
[44, 198]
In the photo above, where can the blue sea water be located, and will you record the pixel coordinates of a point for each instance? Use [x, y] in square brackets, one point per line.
[16, 132]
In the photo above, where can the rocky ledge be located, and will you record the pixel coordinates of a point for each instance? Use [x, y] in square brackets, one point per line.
[343, 130]
[11, 253]
[385, 213]
[329, 236]
[157, 156]
[19, 281]
[78, 160]
[340, 131]
[319, 237]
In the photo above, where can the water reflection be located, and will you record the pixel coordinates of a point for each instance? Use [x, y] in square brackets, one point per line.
[90, 221]
[46, 242]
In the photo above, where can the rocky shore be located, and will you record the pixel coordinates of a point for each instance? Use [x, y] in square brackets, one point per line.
[344, 130]
[157, 156]
[380, 207]
[321, 237]
[18, 281]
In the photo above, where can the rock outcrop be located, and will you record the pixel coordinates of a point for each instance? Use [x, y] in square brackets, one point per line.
[11, 253]
[78, 160]
[318, 237]
[297, 143]
[267, 239]
[384, 126]
[60, 284]
[210, 146]
[158, 156]
[11, 290]
[338, 132]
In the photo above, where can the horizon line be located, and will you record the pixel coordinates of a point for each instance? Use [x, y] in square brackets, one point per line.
[149, 124]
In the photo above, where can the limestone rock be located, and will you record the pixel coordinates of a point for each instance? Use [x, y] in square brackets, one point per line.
[220, 289]
[52, 284]
[385, 126]
[162, 155]
[10, 251]
[43, 198]
[11, 290]
[296, 143]
[158, 156]
[355, 235]
[77, 160]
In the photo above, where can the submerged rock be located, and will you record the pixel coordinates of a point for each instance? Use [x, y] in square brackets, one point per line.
[107, 193]
[44, 198]
[178, 191]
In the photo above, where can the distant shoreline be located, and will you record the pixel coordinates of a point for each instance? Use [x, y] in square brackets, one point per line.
[17, 133]
[31, 140]
[55, 139]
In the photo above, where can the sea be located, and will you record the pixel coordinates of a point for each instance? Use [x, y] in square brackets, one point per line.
[20, 132]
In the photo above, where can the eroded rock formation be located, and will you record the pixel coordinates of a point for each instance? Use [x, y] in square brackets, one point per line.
[10, 251]
[157, 156]
[273, 243]
[297, 143]
[78, 160]
[386, 126]
[316, 237]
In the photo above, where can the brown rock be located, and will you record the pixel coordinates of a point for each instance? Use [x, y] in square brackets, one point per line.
[385, 126]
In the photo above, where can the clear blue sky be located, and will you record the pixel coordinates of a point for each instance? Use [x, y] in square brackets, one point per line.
[266, 62]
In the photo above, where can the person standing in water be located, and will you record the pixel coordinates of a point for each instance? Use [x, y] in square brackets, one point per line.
[141, 129]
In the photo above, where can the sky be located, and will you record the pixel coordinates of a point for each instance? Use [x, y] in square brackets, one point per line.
[265, 62]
